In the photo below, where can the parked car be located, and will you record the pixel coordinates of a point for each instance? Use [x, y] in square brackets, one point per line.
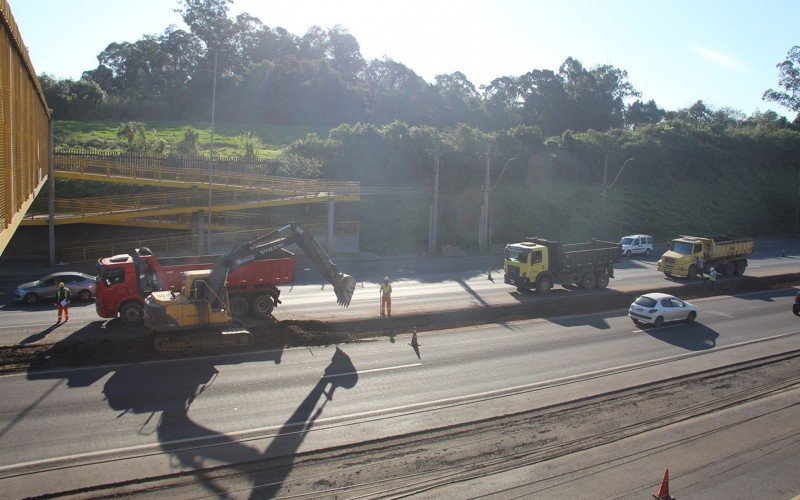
[659, 308]
[796, 305]
[82, 287]
[636, 244]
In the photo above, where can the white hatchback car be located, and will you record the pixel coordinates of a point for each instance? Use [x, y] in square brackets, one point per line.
[659, 308]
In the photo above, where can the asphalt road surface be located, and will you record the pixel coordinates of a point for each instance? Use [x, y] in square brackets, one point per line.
[419, 285]
[67, 429]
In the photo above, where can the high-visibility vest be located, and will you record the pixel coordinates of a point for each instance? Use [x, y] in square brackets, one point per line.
[386, 289]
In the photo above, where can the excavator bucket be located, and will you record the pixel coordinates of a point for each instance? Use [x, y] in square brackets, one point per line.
[344, 285]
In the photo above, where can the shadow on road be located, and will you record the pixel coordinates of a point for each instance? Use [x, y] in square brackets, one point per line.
[692, 337]
[166, 391]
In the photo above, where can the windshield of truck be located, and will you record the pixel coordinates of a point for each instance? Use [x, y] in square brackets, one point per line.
[680, 247]
[519, 255]
[627, 241]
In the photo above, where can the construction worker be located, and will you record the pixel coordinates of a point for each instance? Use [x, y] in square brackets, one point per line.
[63, 296]
[386, 298]
[712, 277]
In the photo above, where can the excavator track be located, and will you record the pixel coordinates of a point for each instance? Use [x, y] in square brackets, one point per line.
[167, 343]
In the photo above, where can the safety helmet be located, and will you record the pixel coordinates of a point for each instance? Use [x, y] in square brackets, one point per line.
[60, 284]
[386, 278]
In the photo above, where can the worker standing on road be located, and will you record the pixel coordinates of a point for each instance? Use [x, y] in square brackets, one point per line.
[63, 296]
[386, 298]
[712, 277]
[699, 264]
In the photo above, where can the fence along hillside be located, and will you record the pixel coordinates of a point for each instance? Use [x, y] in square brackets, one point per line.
[186, 171]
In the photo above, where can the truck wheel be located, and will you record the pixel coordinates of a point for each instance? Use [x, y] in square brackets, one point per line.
[239, 306]
[263, 305]
[588, 281]
[131, 313]
[544, 285]
[601, 279]
[740, 266]
[728, 269]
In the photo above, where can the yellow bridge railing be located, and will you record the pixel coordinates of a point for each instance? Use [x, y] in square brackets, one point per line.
[25, 125]
[185, 173]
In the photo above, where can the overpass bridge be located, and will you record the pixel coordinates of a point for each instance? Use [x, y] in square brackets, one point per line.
[187, 189]
[25, 121]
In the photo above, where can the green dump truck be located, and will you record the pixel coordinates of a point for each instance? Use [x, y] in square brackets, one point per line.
[539, 264]
[727, 255]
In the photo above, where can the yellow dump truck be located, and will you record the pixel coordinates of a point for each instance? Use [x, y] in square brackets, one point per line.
[688, 256]
[537, 263]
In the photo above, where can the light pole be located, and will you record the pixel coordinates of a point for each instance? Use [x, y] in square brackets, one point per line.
[433, 224]
[492, 189]
[211, 162]
[483, 231]
[606, 185]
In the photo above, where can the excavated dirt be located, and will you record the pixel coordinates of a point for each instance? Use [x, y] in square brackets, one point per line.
[292, 333]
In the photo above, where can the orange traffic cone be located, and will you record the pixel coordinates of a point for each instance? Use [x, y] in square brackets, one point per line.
[414, 342]
[663, 492]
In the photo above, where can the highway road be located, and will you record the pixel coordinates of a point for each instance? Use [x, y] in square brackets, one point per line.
[67, 429]
[419, 285]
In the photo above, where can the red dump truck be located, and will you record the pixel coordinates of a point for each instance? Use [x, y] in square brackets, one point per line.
[125, 280]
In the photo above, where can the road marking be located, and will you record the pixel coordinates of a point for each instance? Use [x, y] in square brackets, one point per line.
[259, 432]
[361, 372]
[718, 313]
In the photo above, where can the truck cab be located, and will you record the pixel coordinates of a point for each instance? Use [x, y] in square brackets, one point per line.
[681, 255]
[523, 263]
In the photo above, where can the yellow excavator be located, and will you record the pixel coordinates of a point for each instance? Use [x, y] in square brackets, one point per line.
[199, 315]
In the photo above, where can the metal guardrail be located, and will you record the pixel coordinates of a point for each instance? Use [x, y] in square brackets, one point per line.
[90, 251]
[25, 124]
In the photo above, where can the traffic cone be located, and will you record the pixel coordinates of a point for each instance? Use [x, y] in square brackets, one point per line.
[663, 492]
[414, 342]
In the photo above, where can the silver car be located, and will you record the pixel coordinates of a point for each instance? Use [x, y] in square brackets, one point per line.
[82, 287]
[659, 308]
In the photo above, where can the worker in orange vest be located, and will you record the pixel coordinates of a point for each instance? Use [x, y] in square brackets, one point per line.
[386, 298]
[63, 297]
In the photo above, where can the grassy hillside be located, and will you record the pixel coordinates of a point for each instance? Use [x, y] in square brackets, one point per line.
[671, 189]
[229, 139]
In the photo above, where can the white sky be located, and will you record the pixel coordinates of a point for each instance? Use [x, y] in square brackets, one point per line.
[676, 52]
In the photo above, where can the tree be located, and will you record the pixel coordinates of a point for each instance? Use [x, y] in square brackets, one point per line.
[789, 80]
[639, 113]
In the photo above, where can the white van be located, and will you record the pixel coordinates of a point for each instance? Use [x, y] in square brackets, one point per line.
[636, 244]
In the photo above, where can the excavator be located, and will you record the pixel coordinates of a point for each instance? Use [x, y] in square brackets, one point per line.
[199, 315]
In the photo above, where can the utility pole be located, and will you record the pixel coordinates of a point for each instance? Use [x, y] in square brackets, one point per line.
[211, 162]
[434, 219]
[603, 200]
[483, 233]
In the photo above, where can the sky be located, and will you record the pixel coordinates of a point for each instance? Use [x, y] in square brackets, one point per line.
[675, 52]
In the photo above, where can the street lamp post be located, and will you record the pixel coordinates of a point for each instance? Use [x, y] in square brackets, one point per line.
[483, 230]
[434, 218]
[211, 162]
[499, 177]
[606, 186]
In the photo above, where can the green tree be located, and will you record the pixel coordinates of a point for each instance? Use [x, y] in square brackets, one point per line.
[188, 144]
[789, 80]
